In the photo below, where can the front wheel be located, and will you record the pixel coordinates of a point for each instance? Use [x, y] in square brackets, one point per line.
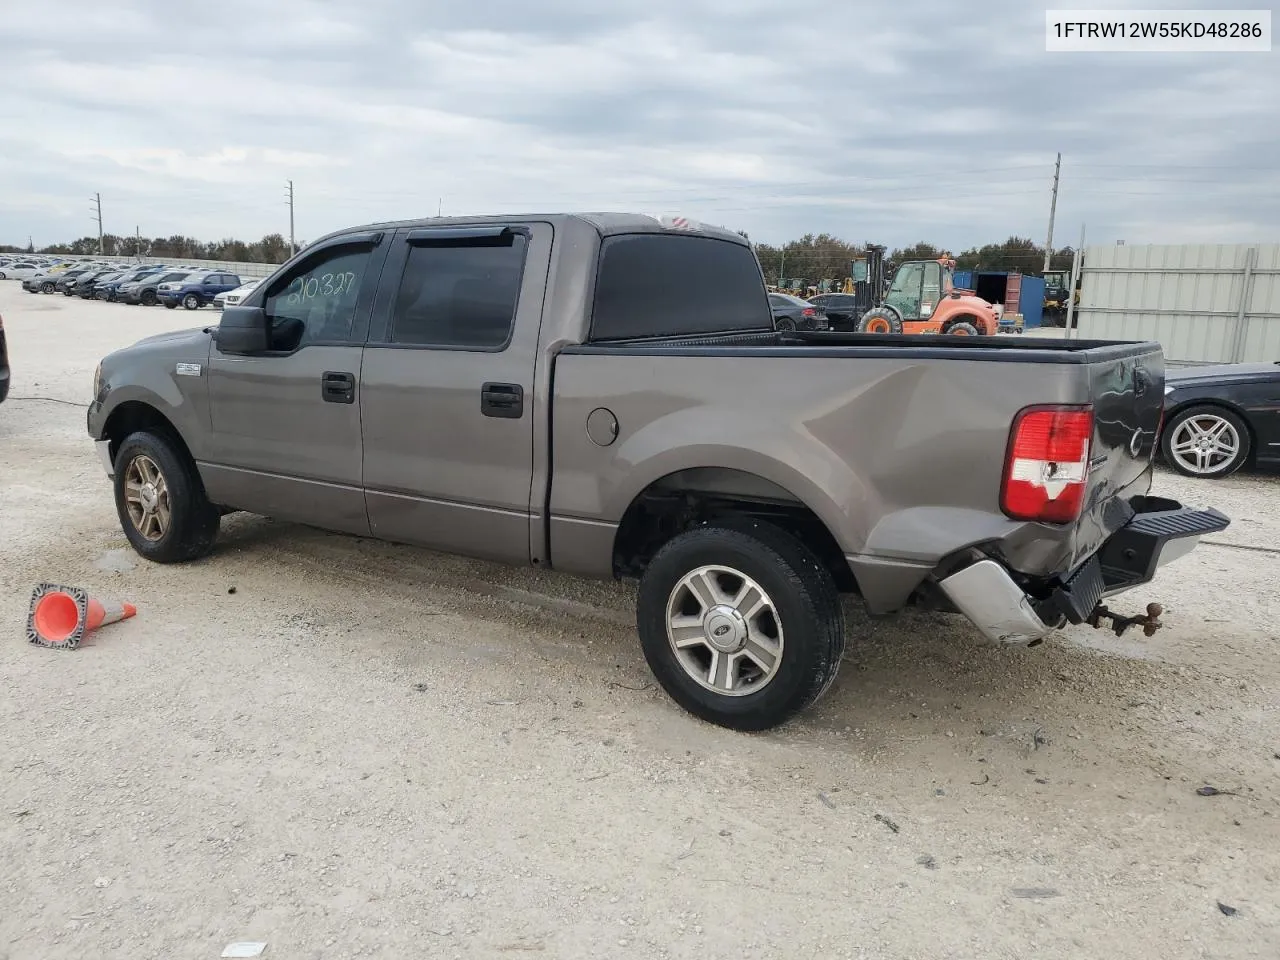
[963, 329]
[161, 502]
[190, 302]
[170, 305]
[1206, 441]
[880, 320]
[148, 298]
[46, 287]
[741, 624]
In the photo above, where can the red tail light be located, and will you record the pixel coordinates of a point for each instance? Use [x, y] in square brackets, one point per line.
[1046, 468]
[809, 312]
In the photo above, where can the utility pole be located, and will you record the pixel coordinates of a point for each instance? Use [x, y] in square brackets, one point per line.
[293, 247]
[1073, 322]
[97, 197]
[137, 241]
[439, 207]
[1053, 209]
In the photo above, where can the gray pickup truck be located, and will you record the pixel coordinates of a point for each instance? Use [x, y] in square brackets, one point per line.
[606, 395]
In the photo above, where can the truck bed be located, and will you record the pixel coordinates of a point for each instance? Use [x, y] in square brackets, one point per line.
[896, 446]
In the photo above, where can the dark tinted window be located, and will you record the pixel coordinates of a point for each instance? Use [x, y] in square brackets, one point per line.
[460, 292]
[316, 301]
[667, 285]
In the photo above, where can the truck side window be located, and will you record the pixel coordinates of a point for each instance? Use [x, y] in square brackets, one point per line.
[671, 285]
[316, 303]
[460, 293]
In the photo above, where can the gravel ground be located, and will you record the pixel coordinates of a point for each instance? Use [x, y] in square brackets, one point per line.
[374, 751]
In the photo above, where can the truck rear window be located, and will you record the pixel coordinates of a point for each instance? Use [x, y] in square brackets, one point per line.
[661, 285]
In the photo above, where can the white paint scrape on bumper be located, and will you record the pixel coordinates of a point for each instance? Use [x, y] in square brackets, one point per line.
[104, 454]
[987, 595]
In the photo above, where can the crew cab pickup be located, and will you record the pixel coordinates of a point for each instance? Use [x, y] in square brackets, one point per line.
[606, 395]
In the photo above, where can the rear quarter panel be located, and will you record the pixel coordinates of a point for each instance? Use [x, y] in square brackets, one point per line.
[902, 459]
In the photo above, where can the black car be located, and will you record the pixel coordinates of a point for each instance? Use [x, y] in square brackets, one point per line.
[67, 282]
[84, 286]
[792, 313]
[841, 309]
[1218, 418]
[88, 287]
[4, 364]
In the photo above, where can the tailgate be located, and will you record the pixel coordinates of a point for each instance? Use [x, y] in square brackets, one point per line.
[1127, 391]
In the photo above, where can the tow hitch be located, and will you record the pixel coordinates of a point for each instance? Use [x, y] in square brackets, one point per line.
[1150, 621]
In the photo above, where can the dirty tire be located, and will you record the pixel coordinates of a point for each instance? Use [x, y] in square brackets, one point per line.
[194, 522]
[1228, 427]
[963, 328]
[880, 320]
[803, 594]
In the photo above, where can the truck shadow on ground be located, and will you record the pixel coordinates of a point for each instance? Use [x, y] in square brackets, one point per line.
[920, 675]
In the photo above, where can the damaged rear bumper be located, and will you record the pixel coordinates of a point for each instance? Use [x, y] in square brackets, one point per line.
[1006, 611]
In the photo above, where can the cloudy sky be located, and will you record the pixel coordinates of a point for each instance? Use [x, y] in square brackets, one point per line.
[892, 122]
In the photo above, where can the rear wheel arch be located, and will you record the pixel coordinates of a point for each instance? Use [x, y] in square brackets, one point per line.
[690, 498]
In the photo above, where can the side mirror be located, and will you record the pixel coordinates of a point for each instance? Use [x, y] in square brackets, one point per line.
[243, 330]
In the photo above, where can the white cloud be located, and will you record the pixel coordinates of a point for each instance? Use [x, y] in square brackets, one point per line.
[893, 122]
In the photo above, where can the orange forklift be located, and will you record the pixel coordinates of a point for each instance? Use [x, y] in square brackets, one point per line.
[923, 298]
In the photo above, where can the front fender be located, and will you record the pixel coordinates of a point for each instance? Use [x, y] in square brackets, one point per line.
[147, 373]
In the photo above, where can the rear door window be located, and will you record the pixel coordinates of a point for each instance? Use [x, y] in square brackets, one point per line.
[460, 293]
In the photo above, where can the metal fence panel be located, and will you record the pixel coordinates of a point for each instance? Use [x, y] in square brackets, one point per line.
[1204, 303]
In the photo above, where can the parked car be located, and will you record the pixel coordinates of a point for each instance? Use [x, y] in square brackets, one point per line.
[744, 479]
[196, 290]
[86, 280]
[233, 297]
[53, 282]
[144, 290]
[841, 309]
[18, 270]
[1219, 418]
[109, 289]
[87, 288]
[4, 364]
[792, 313]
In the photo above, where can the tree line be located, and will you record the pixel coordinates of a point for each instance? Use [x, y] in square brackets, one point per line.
[273, 248]
[818, 257]
[812, 258]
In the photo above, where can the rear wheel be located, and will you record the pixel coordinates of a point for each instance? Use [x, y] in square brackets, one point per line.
[741, 624]
[963, 329]
[785, 324]
[880, 320]
[161, 502]
[1206, 441]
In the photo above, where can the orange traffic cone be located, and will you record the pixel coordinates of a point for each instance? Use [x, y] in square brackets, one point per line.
[61, 616]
